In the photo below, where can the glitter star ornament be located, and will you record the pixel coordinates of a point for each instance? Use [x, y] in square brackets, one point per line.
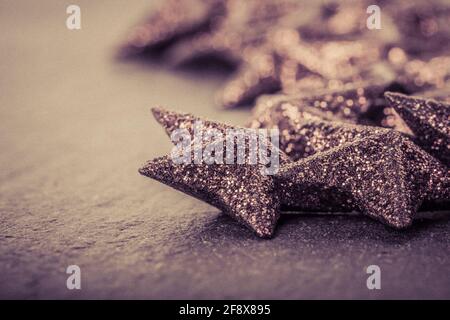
[385, 176]
[354, 103]
[310, 125]
[264, 40]
[302, 139]
[193, 30]
[244, 26]
[175, 20]
[428, 119]
[172, 120]
[287, 62]
[247, 24]
[240, 189]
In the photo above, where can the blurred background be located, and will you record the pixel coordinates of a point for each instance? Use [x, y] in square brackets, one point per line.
[76, 126]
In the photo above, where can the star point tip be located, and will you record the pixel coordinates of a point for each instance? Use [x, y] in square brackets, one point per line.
[143, 170]
[147, 169]
[393, 97]
[158, 112]
[265, 234]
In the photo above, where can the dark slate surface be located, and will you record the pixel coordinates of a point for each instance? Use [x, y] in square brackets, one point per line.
[75, 128]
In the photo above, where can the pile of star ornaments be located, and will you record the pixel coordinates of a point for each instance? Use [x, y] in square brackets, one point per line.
[363, 115]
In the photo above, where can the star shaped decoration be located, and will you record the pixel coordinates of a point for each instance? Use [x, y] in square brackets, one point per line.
[311, 125]
[248, 24]
[384, 176]
[259, 37]
[258, 74]
[428, 119]
[172, 120]
[303, 131]
[175, 20]
[287, 62]
[244, 27]
[301, 139]
[242, 190]
[198, 29]
[361, 103]
[277, 46]
[314, 136]
[225, 28]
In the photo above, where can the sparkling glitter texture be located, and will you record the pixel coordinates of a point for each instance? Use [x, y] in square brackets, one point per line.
[353, 103]
[341, 167]
[315, 124]
[428, 119]
[385, 176]
[239, 190]
[331, 76]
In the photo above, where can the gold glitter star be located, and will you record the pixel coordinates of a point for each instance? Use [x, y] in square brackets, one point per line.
[240, 190]
[428, 119]
[385, 176]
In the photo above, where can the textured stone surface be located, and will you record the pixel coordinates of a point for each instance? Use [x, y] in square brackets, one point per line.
[76, 125]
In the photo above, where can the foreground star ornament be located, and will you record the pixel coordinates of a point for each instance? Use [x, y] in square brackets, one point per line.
[301, 140]
[242, 190]
[310, 125]
[303, 131]
[428, 119]
[306, 138]
[236, 190]
[172, 120]
[385, 176]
